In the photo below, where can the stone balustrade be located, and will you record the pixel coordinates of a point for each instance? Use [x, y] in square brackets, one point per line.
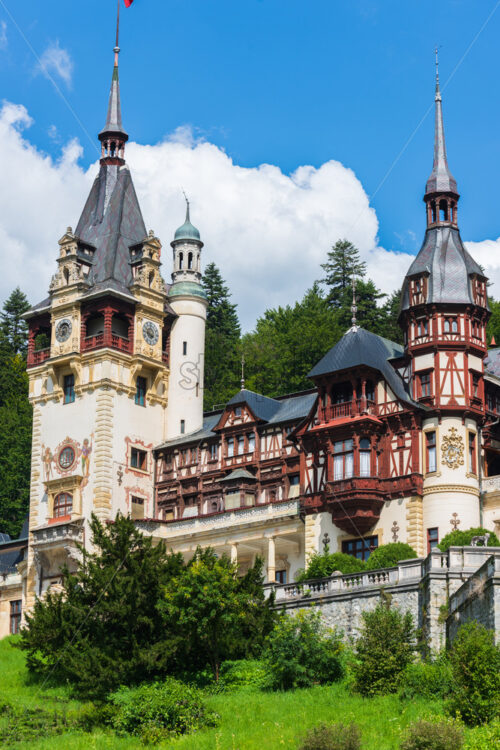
[491, 484]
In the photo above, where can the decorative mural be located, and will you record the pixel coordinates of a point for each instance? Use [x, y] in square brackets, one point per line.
[65, 459]
[453, 449]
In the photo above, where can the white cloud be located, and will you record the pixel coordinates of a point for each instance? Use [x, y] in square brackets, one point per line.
[268, 232]
[487, 254]
[56, 61]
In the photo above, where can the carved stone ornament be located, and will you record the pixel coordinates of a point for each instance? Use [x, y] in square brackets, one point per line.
[453, 449]
[63, 330]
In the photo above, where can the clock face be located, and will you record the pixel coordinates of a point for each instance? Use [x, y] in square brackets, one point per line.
[66, 457]
[63, 330]
[150, 333]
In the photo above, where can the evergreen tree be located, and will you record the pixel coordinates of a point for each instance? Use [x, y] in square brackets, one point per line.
[493, 327]
[13, 327]
[222, 361]
[343, 262]
[369, 314]
[287, 343]
[391, 328]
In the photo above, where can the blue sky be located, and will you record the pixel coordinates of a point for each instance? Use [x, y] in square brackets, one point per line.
[280, 82]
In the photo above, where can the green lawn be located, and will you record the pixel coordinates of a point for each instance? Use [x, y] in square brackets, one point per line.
[250, 720]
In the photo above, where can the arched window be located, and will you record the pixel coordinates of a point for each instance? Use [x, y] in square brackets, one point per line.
[113, 148]
[94, 325]
[434, 214]
[443, 210]
[63, 505]
[119, 326]
[151, 278]
[181, 259]
[190, 261]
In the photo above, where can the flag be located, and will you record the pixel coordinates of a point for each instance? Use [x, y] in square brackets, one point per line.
[128, 3]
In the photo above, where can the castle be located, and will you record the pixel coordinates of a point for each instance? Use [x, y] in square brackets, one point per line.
[391, 443]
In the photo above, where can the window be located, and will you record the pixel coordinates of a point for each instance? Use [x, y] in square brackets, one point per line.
[430, 451]
[69, 389]
[432, 539]
[425, 384]
[63, 505]
[364, 458]
[475, 385]
[280, 576]
[184, 347]
[237, 411]
[230, 447]
[241, 444]
[342, 459]
[294, 480]
[138, 459]
[137, 507]
[251, 442]
[140, 391]
[422, 327]
[214, 452]
[450, 325]
[472, 453]
[360, 548]
[15, 616]
[183, 426]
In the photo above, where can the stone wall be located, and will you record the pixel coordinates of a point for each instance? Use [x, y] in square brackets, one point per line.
[437, 589]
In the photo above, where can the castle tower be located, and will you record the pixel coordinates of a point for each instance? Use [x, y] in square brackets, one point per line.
[188, 301]
[444, 313]
[97, 368]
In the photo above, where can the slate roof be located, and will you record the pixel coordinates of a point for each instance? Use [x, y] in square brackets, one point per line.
[12, 550]
[492, 362]
[444, 257]
[238, 474]
[270, 410]
[360, 347]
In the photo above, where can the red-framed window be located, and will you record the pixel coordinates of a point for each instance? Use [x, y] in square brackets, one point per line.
[424, 384]
[450, 325]
[360, 548]
[475, 383]
[63, 505]
[472, 453]
[343, 459]
[365, 454]
[430, 451]
[138, 459]
[15, 616]
[422, 327]
[432, 538]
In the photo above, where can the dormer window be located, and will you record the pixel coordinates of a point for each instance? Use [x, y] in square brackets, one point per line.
[237, 411]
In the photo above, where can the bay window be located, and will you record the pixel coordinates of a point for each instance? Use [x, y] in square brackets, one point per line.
[343, 459]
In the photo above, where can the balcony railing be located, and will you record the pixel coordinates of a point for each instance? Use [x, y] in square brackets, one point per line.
[37, 357]
[491, 484]
[98, 342]
[347, 409]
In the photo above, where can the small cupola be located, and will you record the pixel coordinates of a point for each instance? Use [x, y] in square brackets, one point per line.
[187, 247]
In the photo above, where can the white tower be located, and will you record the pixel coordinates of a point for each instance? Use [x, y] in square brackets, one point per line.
[188, 300]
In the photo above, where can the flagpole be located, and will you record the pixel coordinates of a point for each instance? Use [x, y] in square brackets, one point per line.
[117, 45]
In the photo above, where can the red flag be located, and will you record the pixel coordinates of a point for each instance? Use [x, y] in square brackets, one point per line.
[128, 3]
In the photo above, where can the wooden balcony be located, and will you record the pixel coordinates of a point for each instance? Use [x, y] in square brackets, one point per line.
[37, 357]
[347, 409]
[114, 342]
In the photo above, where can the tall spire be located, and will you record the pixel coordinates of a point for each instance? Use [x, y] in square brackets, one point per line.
[441, 180]
[113, 135]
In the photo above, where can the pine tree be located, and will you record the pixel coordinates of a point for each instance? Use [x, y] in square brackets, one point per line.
[343, 263]
[13, 327]
[222, 360]
[391, 328]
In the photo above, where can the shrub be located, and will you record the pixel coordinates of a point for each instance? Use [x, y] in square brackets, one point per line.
[323, 565]
[301, 652]
[463, 538]
[245, 673]
[332, 737]
[158, 710]
[384, 650]
[485, 737]
[433, 735]
[426, 680]
[475, 661]
[388, 555]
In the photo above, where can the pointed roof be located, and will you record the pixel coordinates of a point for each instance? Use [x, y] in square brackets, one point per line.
[187, 231]
[114, 124]
[441, 180]
[360, 347]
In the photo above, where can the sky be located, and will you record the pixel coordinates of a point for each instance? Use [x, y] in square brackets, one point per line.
[290, 124]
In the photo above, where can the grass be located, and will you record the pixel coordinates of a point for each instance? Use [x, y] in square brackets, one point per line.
[250, 720]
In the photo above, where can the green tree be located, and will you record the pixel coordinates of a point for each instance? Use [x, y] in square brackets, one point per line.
[390, 310]
[493, 327]
[383, 650]
[13, 327]
[370, 315]
[343, 262]
[388, 555]
[217, 615]
[463, 538]
[287, 342]
[222, 358]
[103, 630]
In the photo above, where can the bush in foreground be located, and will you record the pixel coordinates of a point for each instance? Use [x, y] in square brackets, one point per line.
[332, 737]
[426, 680]
[388, 555]
[433, 735]
[475, 661]
[383, 650]
[463, 538]
[160, 710]
[485, 737]
[323, 565]
[301, 652]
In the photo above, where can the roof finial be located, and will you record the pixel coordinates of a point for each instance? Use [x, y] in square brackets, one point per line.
[354, 308]
[243, 372]
[438, 92]
[187, 206]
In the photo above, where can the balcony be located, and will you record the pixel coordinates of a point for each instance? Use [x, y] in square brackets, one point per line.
[491, 484]
[37, 357]
[114, 342]
[347, 409]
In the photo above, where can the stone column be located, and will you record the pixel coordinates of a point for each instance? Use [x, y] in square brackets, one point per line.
[234, 553]
[271, 559]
